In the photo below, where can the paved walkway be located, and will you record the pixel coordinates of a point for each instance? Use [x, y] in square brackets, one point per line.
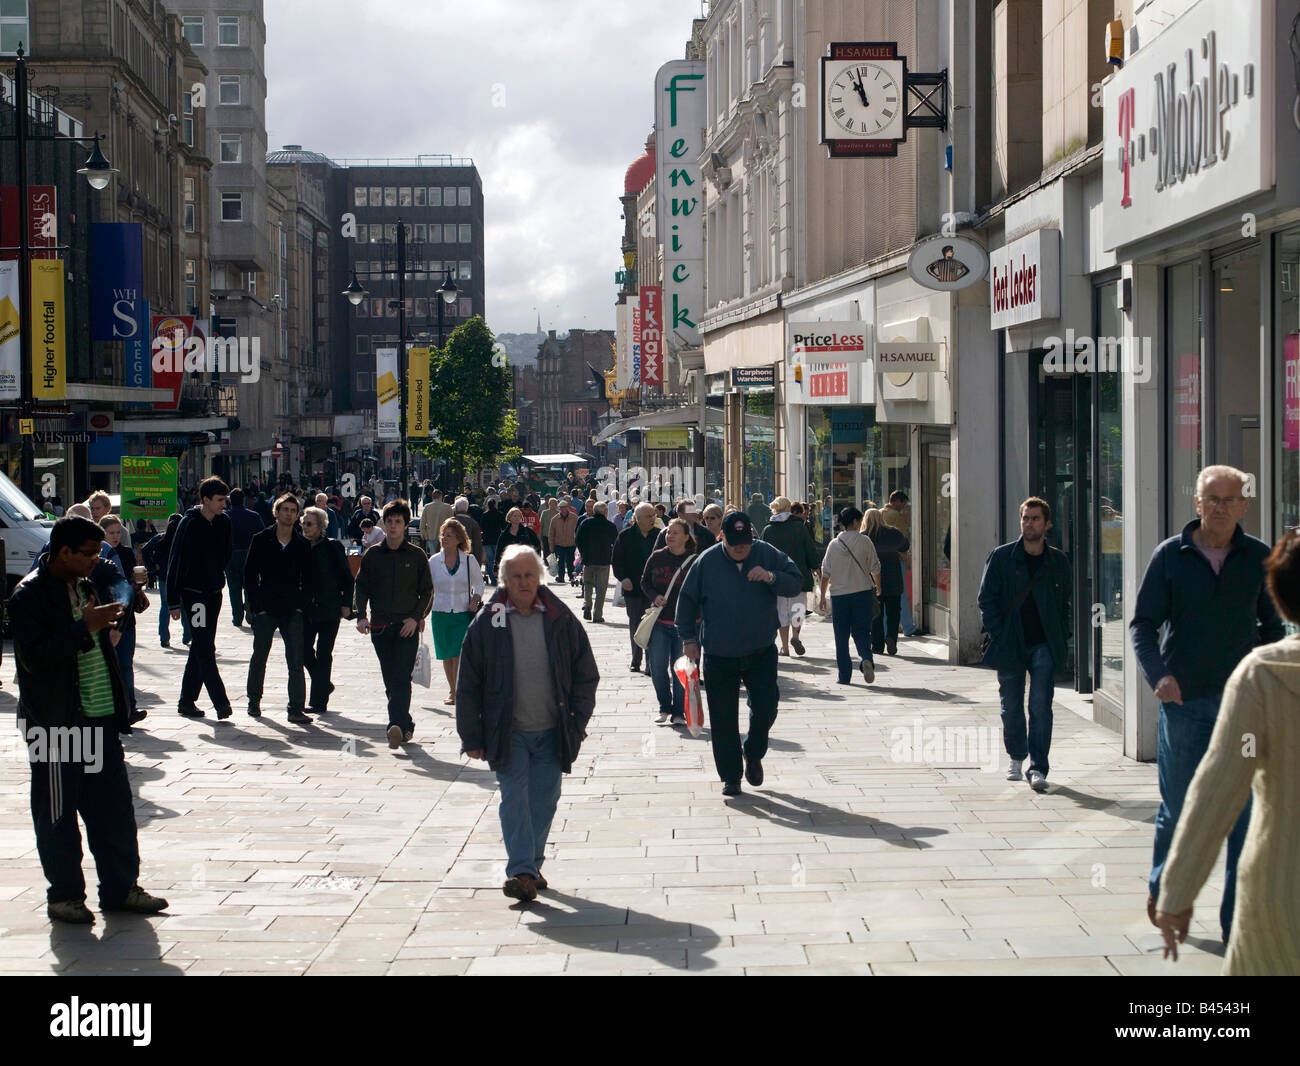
[877, 845]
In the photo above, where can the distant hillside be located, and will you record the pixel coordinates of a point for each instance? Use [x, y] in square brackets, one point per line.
[521, 348]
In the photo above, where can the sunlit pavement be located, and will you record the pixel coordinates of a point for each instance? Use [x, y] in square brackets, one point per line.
[876, 845]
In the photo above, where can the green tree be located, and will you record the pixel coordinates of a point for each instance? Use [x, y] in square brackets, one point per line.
[470, 412]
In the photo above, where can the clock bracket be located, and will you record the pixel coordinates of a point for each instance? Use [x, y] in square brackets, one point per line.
[927, 101]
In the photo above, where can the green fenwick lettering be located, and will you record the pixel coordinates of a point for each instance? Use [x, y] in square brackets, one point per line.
[678, 149]
[679, 174]
[681, 316]
[672, 89]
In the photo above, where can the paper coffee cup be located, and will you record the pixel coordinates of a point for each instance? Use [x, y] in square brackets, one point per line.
[141, 575]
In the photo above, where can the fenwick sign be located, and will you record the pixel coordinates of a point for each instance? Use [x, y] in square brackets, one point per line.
[679, 197]
[1190, 121]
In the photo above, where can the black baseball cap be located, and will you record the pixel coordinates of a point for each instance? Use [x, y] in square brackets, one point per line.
[737, 528]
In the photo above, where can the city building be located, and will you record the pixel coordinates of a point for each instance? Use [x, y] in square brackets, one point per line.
[571, 400]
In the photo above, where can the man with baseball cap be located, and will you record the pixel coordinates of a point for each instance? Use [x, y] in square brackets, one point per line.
[728, 605]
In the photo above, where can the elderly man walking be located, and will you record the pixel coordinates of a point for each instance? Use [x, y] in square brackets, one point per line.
[562, 534]
[728, 605]
[525, 694]
[596, 541]
[631, 550]
[1207, 585]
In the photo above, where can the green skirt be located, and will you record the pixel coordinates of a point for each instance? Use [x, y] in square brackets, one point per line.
[449, 629]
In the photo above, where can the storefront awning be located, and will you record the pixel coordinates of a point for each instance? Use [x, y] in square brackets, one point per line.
[558, 459]
[675, 416]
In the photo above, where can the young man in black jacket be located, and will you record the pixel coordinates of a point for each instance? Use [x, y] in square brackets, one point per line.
[196, 576]
[631, 550]
[72, 707]
[277, 582]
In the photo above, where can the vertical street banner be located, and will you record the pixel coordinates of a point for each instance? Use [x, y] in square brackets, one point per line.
[387, 393]
[137, 354]
[652, 336]
[117, 270]
[11, 345]
[42, 221]
[148, 488]
[168, 336]
[1291, 392]
[623, 339]
[680, 121]
[417, 393]
[49, 331]
[636, 345]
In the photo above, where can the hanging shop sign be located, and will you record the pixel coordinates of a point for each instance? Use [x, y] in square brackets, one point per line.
[753, 377]
[49, 331]
[1190, 120]
[417, 393]
[652, 335]
[869, 101]
[170, 334]
[1025, 280]
[11, 345]
[387, 394]
[947, 263]
[830, 362]
[667, 440]
[680, 121]
[117, 265]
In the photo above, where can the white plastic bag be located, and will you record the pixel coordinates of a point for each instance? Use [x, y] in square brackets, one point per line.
[553, 564]
[688, 673]
[619, 599]
[422, 675]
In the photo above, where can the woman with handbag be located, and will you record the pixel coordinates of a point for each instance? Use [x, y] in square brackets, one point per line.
[852, 568]
[457, 593]
[661, 580]
[331, 602]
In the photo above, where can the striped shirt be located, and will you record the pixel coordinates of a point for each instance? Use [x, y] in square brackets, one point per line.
[92, 672]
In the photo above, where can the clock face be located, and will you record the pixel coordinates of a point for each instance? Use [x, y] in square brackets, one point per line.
[863, 100]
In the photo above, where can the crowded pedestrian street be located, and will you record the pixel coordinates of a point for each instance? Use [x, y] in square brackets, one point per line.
[884, 839]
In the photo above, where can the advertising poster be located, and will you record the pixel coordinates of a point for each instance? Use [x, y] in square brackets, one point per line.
[387, 393]
[49, 331]
[11, 345]
[167, 360]
[148, 488]
[417, 393]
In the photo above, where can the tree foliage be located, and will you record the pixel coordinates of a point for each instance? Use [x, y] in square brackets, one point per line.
[470, 412]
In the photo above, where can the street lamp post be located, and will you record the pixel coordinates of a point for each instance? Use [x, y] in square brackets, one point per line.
[98, 173]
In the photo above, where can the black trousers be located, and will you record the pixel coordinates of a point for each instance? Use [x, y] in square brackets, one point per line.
[885, 627]
[290, 627]
[722, 678]
[235, 583]
[63, 789]
[318, 634]
[201, 665]
[636, 606]
[396, 661]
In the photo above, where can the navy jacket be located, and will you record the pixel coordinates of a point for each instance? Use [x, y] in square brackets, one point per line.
[278, 580]
[245, 524]
[1006, 572]
[198, 557]
[726, 613]
[1211, 621]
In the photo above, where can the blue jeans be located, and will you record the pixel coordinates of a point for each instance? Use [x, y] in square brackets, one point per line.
[851, 616]
[530, 790]
[664, 649]
[126, 662]
[1182, 740]
[490, 554]
[1011, 689]
[164, 617]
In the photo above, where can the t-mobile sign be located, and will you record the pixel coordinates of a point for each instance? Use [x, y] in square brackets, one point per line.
[652, 334]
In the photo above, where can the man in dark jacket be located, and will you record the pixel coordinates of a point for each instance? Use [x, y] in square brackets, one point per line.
[595, 539]
[472, 529]
[631, 550]
[72, 707]
[526, 691]
[278, 579]
[331, 601]
[788, 532]
[1024, 602]
[365, 509]
[891, 546]
[245, 523]
[196, 574]
[728, 605]
[1207, 586]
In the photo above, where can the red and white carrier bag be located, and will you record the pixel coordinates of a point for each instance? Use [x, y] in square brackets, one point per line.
[688, 673]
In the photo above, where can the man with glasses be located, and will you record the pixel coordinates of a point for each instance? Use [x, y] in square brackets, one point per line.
[1207, 586]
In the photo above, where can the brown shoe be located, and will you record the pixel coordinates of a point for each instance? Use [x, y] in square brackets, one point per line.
[1151, 911]
[539, 882]
[521, 887]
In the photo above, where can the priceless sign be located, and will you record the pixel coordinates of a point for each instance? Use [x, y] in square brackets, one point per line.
[148, 488]
[947, 263]
[827, 360]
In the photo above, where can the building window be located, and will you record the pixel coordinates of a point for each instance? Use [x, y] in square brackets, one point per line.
[191, 270]
[191, 297]
[228, 31]
[252, 282]
[193, 27]
[376, 196]
[363, 344]
[377, 307]
[232, 145]
[232, 207]
[359, 196]
[363, 381]
[390, 195]
[421, 233]
[418, 192]
[449, 196]
[421, 306]
[463, 196]
[465, 307]
[463, 272]
[465, 236]
[228, 88]
[390, 233]
[404, 196]
[435, 197]
[187, 131]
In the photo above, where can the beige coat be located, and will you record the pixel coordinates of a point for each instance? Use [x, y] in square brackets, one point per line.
[562, 529]
[435, 513]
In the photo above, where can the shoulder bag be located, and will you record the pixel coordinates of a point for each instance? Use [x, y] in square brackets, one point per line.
[650, 619]
[876, 607]
[986, 638]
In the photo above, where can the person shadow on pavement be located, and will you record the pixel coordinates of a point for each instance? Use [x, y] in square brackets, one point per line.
[128, 945]
[591, 925]
[813, 817]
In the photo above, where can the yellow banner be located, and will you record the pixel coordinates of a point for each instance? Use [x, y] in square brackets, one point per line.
[49, 329]
[667, 440]
[417, 393]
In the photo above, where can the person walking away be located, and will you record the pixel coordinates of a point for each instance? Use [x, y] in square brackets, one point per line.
[196, 575]
[631, 551]
[759, 513]
[661, 583]
[331, 602]
[890, 546]
[434, 514]
[277, 580]
[727, 605]
[596, 542]
[1024, 601]
[524, 697]
[471, 527]
[68, 679]
[788, 533]
[457, 594]
[851, 569]
[1259, 702]
[162, 554]
[245, 523]
[563, 536]
[123, 635]
[492, 525]
[395, 586]
[1206, 589]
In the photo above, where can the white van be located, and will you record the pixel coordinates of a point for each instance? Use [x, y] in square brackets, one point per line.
[24, 529]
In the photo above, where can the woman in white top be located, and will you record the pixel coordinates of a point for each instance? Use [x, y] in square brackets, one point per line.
[457, 593]
[852, 568]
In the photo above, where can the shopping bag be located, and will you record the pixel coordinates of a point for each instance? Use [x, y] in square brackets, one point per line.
[553, 564]
[619, 599]
[688, 673]
[422, 675]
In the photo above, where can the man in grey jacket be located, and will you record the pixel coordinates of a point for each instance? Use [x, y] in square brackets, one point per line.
[728, 605]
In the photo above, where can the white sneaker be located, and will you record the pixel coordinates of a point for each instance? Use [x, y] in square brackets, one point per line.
[1014, 772]
[662, 719]
[678, 720]
[1037, 781]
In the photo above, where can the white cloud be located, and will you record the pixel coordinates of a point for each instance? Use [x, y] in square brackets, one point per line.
[394, 79]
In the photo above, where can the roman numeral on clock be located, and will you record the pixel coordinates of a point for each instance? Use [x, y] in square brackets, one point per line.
[840, 113]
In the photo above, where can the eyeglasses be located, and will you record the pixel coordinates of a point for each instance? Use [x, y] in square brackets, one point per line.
[1222, 501]
[88, 553]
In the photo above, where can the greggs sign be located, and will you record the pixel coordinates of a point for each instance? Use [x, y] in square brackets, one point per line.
[1025, 280]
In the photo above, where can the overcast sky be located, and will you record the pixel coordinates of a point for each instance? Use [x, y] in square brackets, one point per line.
[395, 78]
